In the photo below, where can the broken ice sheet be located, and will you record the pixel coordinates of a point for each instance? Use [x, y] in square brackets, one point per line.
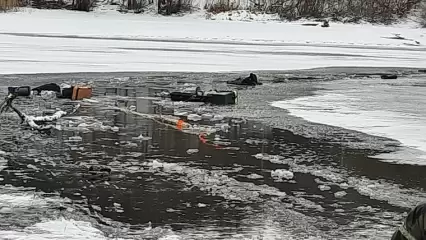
[192, 151]
[280, 174]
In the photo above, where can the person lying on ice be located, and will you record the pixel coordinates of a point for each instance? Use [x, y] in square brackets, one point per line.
[414, 225]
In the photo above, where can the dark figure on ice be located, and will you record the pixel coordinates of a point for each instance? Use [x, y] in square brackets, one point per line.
[47, 87]
[414, 225]
[248, 81]
[325, 24]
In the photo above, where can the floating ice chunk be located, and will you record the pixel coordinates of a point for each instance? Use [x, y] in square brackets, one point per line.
[255, 141]
[192, 151]
[170, 237]
[172, 210]
[201, 205]
[217, 118]
[97, 208]
[115, 129]
[272, 158]
[324, 187]
[279, 174]
[3, 152]
[32, 166]
[6, 210]
[194, 117]
[340, 194]
[207, 116]
[179, 113]
[365, 209]
[156, 164]
[117, 205]
[254, 176]
[229, 148]
[344, 186]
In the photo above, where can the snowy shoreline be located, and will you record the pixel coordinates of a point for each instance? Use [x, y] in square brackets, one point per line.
[57, 41]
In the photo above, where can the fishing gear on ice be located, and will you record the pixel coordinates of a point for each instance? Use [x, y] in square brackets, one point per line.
[44, 122]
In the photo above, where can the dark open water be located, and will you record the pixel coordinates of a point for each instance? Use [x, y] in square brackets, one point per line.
[167, 184]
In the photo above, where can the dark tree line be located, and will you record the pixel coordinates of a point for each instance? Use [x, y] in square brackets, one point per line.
[383, 11]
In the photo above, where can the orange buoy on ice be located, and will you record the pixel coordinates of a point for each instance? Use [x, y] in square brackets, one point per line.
[179, 124]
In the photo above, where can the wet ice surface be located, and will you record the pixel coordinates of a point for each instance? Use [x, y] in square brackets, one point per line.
[252, 179]
[388, 108]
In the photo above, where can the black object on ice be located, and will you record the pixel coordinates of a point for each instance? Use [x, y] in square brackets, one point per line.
[213, 97]
[389, 76]
[47, 87]
[248, 81]
[24, 91]
[422, 70]
[39, 122]
[414, 225]
[325, 24]
[60, 93]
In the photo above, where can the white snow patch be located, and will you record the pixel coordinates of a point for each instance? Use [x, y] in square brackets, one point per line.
[360, 106]
[56, 229]
[36, 40]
